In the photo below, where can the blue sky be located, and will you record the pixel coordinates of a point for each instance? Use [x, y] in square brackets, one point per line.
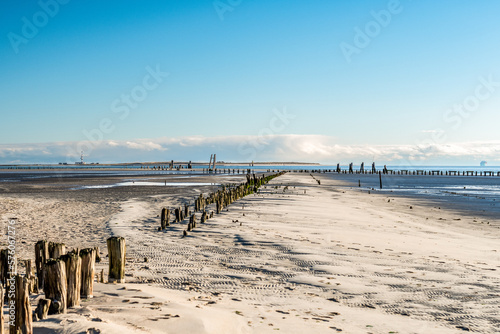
[233, 66]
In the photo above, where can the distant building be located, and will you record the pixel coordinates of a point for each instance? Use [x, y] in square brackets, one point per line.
[81, 162]
[483, 163]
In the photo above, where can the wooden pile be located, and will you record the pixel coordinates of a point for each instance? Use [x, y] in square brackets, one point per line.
[65, 278]
[221, 198]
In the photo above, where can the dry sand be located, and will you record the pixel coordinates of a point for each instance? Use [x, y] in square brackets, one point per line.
[311, 259]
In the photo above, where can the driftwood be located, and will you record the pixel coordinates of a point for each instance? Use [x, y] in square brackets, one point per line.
[23, 322]
[56, 285]
[116, 252]
[88, 269]
[73, 264]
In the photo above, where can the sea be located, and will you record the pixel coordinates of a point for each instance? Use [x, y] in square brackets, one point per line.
[479, 187]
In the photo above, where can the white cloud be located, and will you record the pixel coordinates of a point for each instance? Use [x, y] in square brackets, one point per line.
[304, 148]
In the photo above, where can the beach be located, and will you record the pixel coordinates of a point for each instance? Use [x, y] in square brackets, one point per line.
[301, 256]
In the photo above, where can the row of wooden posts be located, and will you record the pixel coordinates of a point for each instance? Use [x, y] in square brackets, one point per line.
[169, 167]
[221, 198]
[402, 172]
[64, 277]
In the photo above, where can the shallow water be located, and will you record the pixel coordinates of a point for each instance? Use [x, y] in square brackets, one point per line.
[147, 183]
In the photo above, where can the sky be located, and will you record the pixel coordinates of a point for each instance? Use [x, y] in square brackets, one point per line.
[397, 82]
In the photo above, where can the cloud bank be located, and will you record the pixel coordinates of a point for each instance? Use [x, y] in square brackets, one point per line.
[284, 148]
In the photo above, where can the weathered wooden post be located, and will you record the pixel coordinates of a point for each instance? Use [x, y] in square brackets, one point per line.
[97, 255]
[380, 178]
[56, 285]
[73, 264]
[56, 250]
[1, 308]
[88, 270]
[29, 268]
[116, 252]
[41, 256]
[33, 284]
[165, 218]
[177, 215]
[181, 213]
[218, 206]
[23, 322]
[193, 221]
[4, 266]
[42, 309]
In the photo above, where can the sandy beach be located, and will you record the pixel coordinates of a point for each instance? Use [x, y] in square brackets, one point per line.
[308, 258]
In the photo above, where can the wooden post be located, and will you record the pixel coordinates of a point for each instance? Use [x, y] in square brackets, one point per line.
[33, 285]
[178, 215]
[380, 178]
[73, 264]
[9, 269]
[116, 252]
[1, 308]
[88, 270]
[41, 256]
[23, 322]
[56, 250]
[42, 309]
[97, 255]
[29, 269]
[165, 218]
[4, 266]
[56, 285]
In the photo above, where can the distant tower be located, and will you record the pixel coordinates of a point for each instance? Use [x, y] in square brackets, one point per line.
[81, 158]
